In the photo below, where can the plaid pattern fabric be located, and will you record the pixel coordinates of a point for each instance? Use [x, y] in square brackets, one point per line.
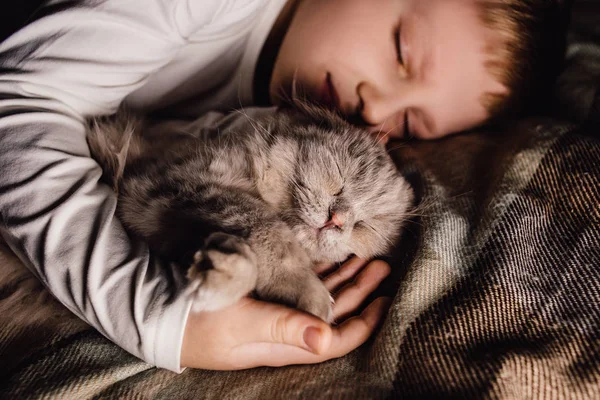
[496, 293]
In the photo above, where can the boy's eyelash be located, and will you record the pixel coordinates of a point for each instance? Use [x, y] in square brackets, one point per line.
[398, 45]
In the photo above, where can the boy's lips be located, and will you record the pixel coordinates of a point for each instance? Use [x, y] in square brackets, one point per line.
[329, 96]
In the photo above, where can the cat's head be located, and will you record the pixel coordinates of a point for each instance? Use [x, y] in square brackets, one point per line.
[345, 194]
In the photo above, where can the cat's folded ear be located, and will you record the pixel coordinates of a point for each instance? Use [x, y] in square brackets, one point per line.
[315, 114]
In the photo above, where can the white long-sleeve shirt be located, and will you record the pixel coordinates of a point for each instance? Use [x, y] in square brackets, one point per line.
[69, 64]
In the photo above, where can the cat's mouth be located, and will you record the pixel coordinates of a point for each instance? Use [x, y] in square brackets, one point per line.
[329, 244]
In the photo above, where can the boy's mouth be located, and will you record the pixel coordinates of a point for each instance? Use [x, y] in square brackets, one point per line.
[329, 96]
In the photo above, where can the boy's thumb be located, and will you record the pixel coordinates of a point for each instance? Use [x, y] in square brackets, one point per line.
[298, 329]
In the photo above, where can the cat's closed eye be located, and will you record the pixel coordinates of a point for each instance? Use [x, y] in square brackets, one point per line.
[359, 225]
[302, 185]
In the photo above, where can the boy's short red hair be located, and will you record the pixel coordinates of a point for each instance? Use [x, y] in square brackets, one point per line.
[528, 54]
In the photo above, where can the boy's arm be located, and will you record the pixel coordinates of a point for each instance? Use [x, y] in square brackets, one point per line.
[65, 66]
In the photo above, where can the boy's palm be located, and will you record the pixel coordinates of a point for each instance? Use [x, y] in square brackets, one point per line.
[253, 333]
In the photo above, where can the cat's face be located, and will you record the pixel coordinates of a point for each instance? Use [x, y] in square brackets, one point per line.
[346, 195]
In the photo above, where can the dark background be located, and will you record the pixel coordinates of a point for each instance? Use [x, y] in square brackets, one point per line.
[15, 13]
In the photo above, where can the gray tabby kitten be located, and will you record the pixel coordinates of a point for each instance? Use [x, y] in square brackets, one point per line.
[255, 208]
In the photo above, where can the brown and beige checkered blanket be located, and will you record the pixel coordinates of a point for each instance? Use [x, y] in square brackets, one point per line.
[496, 287]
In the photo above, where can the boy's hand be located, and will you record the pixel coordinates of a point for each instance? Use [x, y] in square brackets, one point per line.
[254, 333]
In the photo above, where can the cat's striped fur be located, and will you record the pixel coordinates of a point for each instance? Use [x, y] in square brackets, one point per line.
[254, 208]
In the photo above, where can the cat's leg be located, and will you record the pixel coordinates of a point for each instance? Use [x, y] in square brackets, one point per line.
[231, 241]
[265, 255]
[269, 260]
[197, 231]
[285, 271]
[222, 272]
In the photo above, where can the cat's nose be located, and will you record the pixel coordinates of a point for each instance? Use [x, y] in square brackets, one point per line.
[336, 220]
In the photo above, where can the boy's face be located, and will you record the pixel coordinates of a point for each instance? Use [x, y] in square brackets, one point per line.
[343, 54]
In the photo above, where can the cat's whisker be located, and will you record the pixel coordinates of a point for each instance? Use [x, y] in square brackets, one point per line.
[382, 138]
[460, 195]
[421, 209]
[298, 187]
[256, 125]
[397, 147]
[387, 240]
[407, 216]
[380, 131]
[284, 96]
[407, 227]
[388, 133]
[297, 97]
[415, 215]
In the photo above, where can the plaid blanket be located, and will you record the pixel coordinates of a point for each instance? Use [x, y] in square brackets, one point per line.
[496, 288]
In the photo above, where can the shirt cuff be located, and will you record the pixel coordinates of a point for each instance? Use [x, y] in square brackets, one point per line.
[169, 335]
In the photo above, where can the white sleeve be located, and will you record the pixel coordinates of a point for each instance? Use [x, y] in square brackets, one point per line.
[66, 65]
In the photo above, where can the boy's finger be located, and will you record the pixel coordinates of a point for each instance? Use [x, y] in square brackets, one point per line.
[355, 331]
[323, 268]
[354, 293]
[273, 323]
[346, 272]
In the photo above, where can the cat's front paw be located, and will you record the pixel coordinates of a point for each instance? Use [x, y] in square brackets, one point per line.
[314, 298]
[295, 283]
[222, 272]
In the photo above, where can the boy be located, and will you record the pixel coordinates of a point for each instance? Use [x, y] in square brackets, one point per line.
[425, 68]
